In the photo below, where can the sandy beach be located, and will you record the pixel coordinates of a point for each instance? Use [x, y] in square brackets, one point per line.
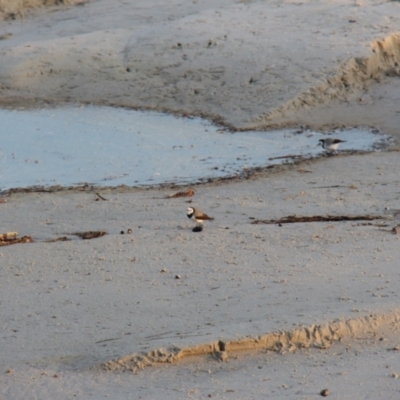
[243, 309]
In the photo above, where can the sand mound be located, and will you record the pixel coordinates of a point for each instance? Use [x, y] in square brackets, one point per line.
[178, 61]
[355, 74]
[12, 9]
[318, 336]
[70, 68]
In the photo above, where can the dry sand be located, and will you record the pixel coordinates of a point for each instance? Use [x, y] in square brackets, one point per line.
[319, 300]
[246, 63]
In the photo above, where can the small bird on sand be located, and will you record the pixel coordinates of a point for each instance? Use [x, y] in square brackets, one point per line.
[329, 144]
[198, 216]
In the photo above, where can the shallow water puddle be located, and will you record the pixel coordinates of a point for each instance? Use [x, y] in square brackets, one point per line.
[107, 146]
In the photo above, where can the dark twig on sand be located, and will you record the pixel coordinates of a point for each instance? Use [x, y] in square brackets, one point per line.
[58, 239]
[318, 218]
[101, 197]
[287, 156]
[89, 234]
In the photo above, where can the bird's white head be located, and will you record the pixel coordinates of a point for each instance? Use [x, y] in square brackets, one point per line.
[190, 212]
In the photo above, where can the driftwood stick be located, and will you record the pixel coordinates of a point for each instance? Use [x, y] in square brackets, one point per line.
[24, 239]
[8, 235]
[186, 193]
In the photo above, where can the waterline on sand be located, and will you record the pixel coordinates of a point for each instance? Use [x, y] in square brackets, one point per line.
[105, 146]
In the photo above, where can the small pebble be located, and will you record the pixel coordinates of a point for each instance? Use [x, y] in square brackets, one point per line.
[164, 270]
[129, 230]
[324, 392]
[177, 277]
[395, 375]
[122, 232]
